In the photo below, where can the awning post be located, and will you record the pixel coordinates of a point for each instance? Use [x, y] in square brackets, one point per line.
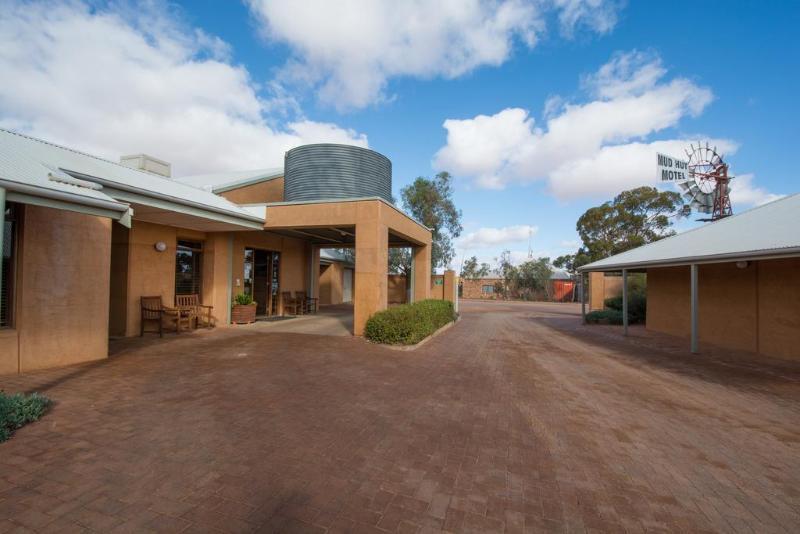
[693, 271]
[625, 302]
[2, 232]
[583, 297]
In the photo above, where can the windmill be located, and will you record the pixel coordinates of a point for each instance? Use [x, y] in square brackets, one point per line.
[703, 180]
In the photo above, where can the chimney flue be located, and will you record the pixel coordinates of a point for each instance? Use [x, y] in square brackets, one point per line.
[146, 163]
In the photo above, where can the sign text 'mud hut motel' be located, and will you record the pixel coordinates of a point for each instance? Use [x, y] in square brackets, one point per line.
[671, 169]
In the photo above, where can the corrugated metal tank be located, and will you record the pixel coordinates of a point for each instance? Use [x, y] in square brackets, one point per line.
[328, 171]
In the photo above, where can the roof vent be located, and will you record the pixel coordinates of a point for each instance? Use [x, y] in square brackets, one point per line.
[146, 163]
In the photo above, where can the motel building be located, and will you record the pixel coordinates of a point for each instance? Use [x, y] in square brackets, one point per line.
[733, 283]
[85, 238]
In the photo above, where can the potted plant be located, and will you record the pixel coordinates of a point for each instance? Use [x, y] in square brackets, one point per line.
[244, 309]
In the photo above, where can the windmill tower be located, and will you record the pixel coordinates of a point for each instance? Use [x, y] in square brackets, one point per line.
[708, 188]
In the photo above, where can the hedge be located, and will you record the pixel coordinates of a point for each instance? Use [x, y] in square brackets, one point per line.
[18, 410]
[604, 317]
[637, 306]
[408, 324]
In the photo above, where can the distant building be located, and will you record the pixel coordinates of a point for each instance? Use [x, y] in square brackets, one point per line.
[560, 288]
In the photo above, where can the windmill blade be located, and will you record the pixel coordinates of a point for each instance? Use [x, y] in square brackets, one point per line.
[684, 185]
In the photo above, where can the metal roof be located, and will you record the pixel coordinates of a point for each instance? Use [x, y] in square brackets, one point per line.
[27, 164]
[770, 230]
[225, 181]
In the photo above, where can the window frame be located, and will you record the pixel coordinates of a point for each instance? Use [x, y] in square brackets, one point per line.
[10, 271]
[195, 248]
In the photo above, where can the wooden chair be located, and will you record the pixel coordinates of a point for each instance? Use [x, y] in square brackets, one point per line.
[154, 310]
[309, 303]
[291, 302]
[200, 313]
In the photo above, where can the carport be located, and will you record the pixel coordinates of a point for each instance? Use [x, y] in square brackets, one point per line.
[371, 226]
[734, 283]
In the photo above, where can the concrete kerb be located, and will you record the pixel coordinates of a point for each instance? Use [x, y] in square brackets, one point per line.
[418, 345]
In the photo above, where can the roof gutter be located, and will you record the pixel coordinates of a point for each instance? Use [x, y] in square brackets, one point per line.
[771, 254]
[64, 196]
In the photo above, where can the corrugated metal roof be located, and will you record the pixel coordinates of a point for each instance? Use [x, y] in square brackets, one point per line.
[768, 230]
[26, 161]
[225, 181]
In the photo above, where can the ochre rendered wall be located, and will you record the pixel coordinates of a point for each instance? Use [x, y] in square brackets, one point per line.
[601, 287]
[63, 288]
[752, 309]
[397, 288]
[150, 272]
[331, 282]
[269, 191]
[779, 307]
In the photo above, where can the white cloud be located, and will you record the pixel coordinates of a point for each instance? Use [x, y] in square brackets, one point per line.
[348, 50]
[592, 148]
[744, 192]
[494, 237]
[116, 80]
[596, 15]
[570, 244]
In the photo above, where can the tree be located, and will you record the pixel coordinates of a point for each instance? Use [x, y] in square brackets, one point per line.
[400, 261]
[632, 219]
[472, 271]
[533, 276]
[430, 201]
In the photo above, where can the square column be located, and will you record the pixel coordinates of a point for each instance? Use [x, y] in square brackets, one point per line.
[372, 271]
[421, 273]
[313, 282]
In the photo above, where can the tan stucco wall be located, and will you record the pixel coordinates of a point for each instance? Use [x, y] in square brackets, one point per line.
[62, 289]
[779, 307]
[752, 309]
[269, 191]
[150, 272]
[331, 282]
[601, 287]
[397, 289]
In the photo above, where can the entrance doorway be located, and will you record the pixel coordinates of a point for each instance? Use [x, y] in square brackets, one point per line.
[347, 285]
[261, 275]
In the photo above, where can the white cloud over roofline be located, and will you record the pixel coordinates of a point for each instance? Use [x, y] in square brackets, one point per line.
[118, 80]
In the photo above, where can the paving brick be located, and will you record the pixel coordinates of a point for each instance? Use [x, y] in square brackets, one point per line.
[518, 419]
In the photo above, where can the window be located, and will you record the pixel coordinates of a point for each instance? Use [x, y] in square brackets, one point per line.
[487, 290]
[10, 223]
[189, 268]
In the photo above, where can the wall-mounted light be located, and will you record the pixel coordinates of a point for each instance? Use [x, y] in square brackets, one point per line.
[160, 246]
[742, 264]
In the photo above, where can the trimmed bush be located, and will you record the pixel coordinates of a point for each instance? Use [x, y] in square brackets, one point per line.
[409, 323]
[637, 306]
[604, 317]
[18, 410]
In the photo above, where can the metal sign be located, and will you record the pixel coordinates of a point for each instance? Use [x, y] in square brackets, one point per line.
[671, 169]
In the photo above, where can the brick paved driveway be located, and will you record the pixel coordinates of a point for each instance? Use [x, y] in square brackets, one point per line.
[517, 419]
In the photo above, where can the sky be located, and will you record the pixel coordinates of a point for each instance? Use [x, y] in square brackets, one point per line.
[539, 109]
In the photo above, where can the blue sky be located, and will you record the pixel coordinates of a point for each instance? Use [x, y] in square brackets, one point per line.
[540, 110]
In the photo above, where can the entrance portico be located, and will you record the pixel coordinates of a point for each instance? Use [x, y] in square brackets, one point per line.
[371, 226]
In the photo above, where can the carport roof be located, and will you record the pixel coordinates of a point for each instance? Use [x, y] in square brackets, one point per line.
[767, 231]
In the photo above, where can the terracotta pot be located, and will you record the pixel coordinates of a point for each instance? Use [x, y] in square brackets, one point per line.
[243, 313]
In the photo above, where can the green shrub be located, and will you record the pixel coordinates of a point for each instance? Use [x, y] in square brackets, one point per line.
[637, 306]
[244, 299]
[18, 409]
[604, 317]
[409, 323]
